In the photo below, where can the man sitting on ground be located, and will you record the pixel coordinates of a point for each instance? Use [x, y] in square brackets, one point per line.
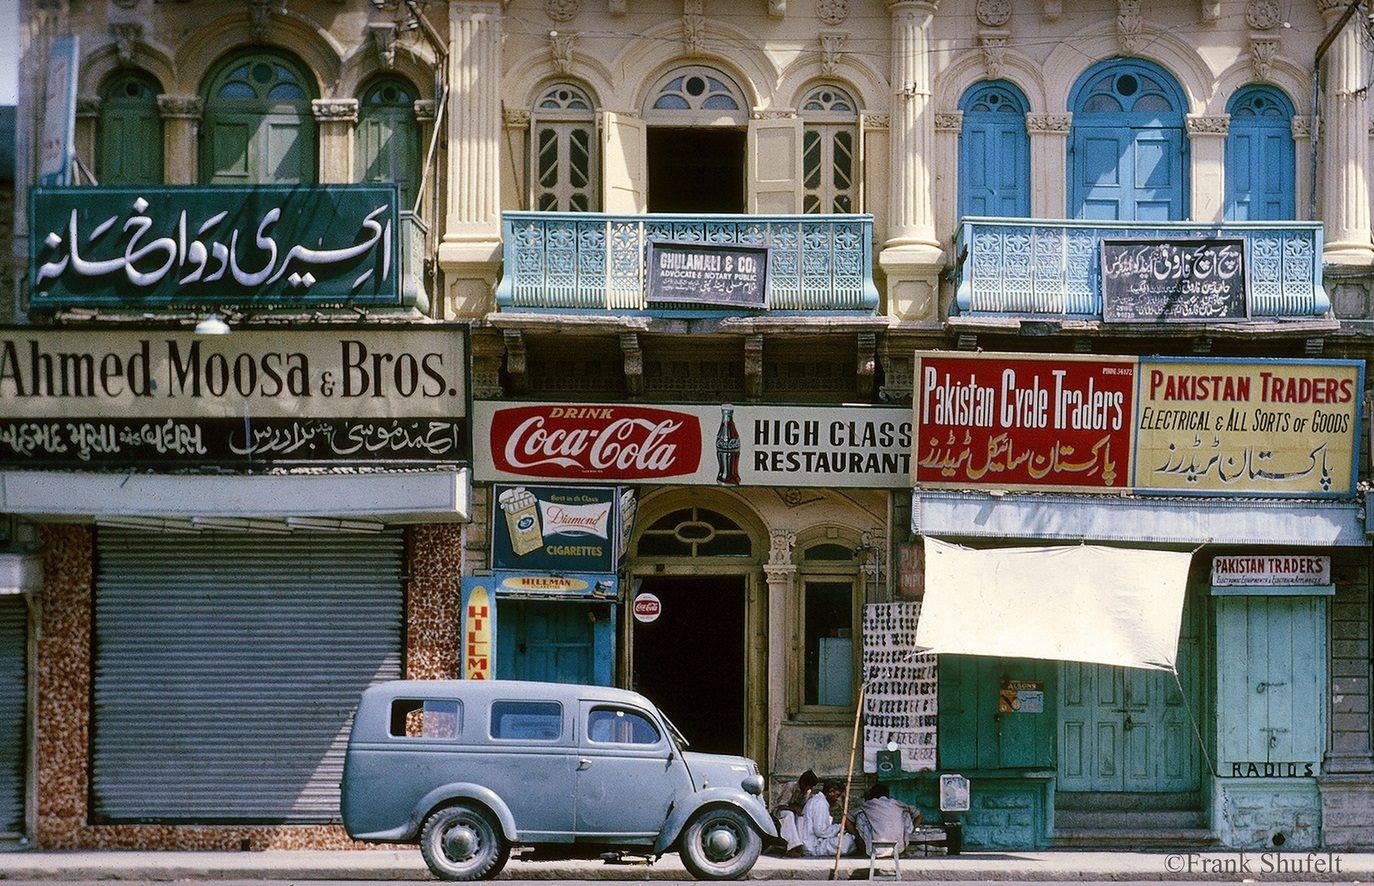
[789, 809]
[819, 832]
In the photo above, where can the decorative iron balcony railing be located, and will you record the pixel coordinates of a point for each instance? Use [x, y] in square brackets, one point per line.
[596, 262]
[1012, 266]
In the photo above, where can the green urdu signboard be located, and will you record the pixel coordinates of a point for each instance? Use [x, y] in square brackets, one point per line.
[172, 246]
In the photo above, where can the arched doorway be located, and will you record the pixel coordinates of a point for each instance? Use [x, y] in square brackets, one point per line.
[697, 120]
[1126, 156]
[1259, 156]
[702, 658]
[258, 126]
[994, 151]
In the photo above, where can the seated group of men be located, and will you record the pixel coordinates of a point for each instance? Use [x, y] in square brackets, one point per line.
[806, 821]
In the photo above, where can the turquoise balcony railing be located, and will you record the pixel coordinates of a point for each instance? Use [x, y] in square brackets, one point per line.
[1014, 266]
[596, 262]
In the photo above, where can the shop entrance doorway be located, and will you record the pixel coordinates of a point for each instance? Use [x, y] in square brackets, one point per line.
[690, 660]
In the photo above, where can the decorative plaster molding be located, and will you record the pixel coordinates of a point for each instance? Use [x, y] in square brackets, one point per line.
[180, 107]
[1209, 11]
[1054, 9]
[634, 363]
[832, 12]
[561, 10]
[777, 8]
[993, 45]
[517, 369]
[516, 118]
[88, 106]
[693, 27]
[1301, 126]
[125, 35]
[383, 36]
[1049, 124]
[335, 110]
[874, 122]
[949, 121]
[1262, 14]
[1263, 50]
[561, 50]
[1128, 26]
[426, 109]
[832, 46]
[1203, 124]
[260, 14]
[780, 544]
[993, 13]
[773, 114]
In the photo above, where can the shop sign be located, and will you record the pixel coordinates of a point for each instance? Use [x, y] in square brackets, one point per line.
[647, 607]
[1183, 280]
[267, 246]
[793, 446]
[524, 584]
[1271, 570]
[708, 274]
[1019, 421]
[1021, 697]
[555, 528]
[56, 135]
[1248, 427]
[902, 688]
[255, 399]
[1267, 769]
[479, 629]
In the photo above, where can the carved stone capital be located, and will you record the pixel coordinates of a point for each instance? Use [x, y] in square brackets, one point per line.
[873, 122]
[561, 50]
[335, 110]
[949, 121]
[832, 12]
[634, 363]
[780, 544]
[487, 352]
[777, 8]
[1049, 124]
[993, 47]
[425, 110]
[516, 118]
[1209, 11]
[1205, 124]
[125, 35]
[383, 36]
[832, 47]
[180, 107]
[773, 114]
[1263, 50]
[1301, 126]
[88, 106]
[753, 366]
[517, 369]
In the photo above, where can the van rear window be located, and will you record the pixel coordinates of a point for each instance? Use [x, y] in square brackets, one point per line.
[528, 720]
[426, 718]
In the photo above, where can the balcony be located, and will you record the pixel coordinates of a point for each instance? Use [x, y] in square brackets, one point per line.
[1043, 269]
[265, 247]
[597, 263]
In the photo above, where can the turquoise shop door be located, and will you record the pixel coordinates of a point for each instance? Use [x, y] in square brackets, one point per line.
[553, 641]
[1126, 729]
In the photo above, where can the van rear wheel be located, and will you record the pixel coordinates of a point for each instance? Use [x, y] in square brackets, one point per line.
[462, 842]
[720, 844]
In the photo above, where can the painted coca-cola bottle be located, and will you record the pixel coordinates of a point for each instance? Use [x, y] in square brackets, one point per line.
[727, 447]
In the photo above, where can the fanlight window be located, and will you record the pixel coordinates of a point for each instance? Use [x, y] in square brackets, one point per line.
[1130, 91]
[695, 532]
[697, 92]
[563, 151]
[830, 137]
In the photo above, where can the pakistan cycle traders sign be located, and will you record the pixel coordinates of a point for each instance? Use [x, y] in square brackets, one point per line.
[254, 399]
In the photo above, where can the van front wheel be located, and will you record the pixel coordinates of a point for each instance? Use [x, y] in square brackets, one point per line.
[720, 844]
[462, 842]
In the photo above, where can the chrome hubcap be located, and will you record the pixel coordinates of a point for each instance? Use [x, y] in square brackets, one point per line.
[461, 842]
[721, 842]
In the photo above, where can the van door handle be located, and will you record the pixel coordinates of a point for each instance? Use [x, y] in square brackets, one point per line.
[583, 763]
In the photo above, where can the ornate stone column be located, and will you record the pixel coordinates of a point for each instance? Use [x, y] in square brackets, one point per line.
[1302, 167]
[912, 256]
[1207, 139]
[181, 116]
[1049, 163]
[1345, 158]
[781, 575]
[337, 118]
[471, 249]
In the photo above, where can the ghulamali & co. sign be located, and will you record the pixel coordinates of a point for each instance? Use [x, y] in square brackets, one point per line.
[256, 399]
[708, 274]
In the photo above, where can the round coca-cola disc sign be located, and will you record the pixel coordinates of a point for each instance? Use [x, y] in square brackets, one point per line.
[647, 608]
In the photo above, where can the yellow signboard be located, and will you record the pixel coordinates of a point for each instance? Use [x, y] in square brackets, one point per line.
[478, 646]
[1247, 427]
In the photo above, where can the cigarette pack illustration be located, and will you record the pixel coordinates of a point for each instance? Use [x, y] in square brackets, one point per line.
[522, 520]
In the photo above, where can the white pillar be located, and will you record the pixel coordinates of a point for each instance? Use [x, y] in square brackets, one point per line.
[1049, 163]
[781, 576]
[1345, 131]
[1207, 140]
[336, 118]
[180, 135]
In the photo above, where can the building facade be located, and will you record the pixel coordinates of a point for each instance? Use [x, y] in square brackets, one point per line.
[718, 469]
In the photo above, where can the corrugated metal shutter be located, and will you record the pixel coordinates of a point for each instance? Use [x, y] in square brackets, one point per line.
[13, 687]
[228, 667]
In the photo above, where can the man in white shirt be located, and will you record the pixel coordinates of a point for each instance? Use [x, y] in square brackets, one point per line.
[819, 832]
[885, 820]
[790, 802]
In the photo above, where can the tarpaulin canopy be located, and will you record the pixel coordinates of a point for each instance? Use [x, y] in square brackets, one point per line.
[1087, 603]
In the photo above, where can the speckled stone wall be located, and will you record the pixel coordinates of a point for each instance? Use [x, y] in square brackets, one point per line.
[435, 555]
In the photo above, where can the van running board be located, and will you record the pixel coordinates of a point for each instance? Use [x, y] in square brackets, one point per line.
[628, 858]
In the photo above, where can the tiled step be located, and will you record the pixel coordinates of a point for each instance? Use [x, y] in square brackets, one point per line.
[1132, 838]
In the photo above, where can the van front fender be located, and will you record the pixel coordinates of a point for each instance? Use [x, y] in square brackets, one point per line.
[445, 795]
[749, 804]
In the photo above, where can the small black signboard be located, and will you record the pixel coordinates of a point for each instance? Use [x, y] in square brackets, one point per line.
[708, 274]
[1166, 280]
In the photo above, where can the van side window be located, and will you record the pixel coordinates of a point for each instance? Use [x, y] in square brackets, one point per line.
[531, 720]
[426, 718]
[619, 726]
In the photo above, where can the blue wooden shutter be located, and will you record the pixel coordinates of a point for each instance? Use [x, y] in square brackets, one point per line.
[388, 138]
[1260, 175]
[994, 153]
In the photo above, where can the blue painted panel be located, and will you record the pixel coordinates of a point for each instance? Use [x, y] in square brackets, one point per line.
[994, 151]
[550, 641]
[1260, 176]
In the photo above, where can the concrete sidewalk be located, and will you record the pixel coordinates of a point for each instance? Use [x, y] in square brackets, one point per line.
[407, 865]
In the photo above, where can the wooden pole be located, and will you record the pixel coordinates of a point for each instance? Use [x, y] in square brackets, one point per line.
[848, 781]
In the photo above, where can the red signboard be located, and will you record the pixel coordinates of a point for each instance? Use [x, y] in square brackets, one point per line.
[1019, 421]
[570, 442]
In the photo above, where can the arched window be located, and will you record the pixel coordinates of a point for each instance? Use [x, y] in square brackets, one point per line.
[564, 162]
[696, 94]
[129, 132]
[994, 151]
[388, 139]
[1259, 156]
[830, 137]
[1126, 155]
[829, 576]
[694, 532]
[258, 125]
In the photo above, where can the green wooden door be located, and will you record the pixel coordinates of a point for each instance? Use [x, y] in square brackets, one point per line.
[973, 734]
[130, 132]
[258, 126]
[388, 139]
[1127, 729]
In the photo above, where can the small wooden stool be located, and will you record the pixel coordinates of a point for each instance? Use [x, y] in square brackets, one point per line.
[877, 873]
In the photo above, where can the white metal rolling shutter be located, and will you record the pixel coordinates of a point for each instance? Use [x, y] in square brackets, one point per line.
[13, 688]
[228, 667]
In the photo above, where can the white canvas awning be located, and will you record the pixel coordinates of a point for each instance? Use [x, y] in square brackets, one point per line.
[1087, 603]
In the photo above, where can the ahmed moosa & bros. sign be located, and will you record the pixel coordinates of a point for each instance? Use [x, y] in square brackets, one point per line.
[253, 399]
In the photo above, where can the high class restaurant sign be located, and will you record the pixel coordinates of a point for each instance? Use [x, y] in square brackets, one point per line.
[253, 399]
[1113, 424]
[795, 446]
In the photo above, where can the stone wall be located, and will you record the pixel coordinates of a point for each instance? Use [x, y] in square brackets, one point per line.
[1347, 785]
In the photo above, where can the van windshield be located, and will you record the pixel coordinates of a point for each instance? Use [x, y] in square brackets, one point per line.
[678, 738]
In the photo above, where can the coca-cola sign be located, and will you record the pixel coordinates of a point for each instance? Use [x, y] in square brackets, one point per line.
[747, 445]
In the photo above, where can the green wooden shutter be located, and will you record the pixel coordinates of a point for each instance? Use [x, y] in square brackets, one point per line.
[387, 145]
[1271, 680]
[259, 128]
[130, 132]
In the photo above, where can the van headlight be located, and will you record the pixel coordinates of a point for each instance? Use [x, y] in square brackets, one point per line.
[753, 784]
